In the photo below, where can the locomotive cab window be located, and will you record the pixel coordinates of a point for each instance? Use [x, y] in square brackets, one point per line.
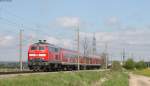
[33, 48]
[41, 48]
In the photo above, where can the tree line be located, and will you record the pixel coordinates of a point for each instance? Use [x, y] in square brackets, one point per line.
[129, 64]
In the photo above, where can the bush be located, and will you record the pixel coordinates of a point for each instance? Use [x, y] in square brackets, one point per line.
[129, 64]
[140, 65]
[116, 66]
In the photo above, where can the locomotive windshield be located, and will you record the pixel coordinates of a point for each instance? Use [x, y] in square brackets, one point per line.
[33, 48]
[37, 48]
[41, 48]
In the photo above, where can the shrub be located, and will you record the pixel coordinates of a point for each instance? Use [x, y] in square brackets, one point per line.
[140, 65]
[116, 66]
[129, 64]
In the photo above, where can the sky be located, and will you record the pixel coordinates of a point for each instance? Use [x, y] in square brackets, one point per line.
[121, 24]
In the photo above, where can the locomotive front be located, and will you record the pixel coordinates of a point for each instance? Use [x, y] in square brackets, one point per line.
[37, 55]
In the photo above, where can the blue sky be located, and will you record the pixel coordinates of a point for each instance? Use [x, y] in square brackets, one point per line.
[54, 19]
[130, 12]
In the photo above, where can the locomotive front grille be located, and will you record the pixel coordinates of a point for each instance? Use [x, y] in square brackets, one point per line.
[36, 61]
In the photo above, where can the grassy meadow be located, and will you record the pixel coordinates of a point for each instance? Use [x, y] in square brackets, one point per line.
[145, 72]
[83, 78]
[117, 79]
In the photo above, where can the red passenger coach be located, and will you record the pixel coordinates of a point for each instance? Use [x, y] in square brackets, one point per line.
[43, 56]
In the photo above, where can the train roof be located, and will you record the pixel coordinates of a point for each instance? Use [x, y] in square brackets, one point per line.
[44, 43]
[64, 49]
[69, 50]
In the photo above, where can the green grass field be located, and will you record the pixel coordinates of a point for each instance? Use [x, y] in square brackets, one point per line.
[85, 78]
[145, 72]
[117, 79]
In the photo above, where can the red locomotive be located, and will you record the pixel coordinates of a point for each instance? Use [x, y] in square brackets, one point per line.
[43, 56]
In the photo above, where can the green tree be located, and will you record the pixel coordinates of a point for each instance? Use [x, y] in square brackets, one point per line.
[140, 65]
[129, 64]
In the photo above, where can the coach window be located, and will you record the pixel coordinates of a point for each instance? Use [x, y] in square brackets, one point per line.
[51, 49]
[56, 49]
[41, 47]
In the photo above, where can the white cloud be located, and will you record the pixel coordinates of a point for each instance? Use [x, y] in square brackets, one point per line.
[134, 41]
[68, 21]
[137, 36]
[52, 40]
[102, 36]
[6, 40]
[113, 21]
[32, 35]
[66, 43]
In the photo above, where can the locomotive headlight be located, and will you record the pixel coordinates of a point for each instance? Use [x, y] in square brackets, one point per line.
[42, 54]
[32, 55]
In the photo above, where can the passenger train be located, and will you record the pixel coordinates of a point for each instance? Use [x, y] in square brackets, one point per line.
[43, 56]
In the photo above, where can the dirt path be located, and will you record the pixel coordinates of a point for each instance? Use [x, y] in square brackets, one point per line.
[138, 80]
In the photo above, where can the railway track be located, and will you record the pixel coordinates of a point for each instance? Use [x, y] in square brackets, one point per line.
[28, 72]
[16, 72]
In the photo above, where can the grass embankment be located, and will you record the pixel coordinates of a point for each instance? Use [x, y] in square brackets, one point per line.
[145, 72]
[84, 78]
[117, 79]
[8, 70]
